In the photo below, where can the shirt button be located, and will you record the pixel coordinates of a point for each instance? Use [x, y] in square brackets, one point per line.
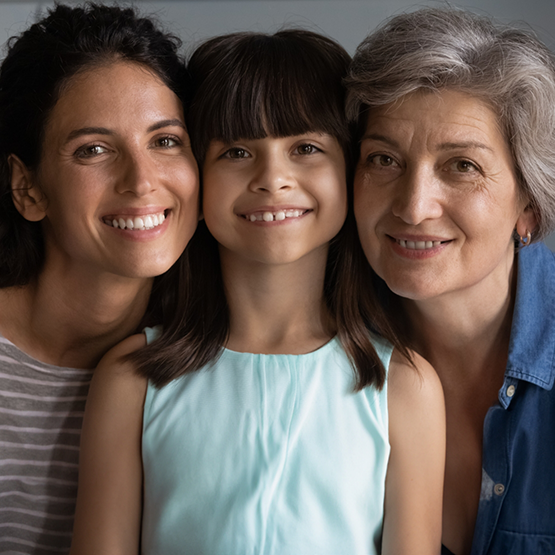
[499, 488]
[510, 391]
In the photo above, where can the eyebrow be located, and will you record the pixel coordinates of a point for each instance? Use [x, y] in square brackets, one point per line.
[166, 123]
[381, 138]
[441, 146]
[104, 131]
[464, 144]
[88, 131]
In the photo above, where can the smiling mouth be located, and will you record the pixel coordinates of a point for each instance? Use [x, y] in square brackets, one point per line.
[137, 223]
[419, 245]
[277, 216]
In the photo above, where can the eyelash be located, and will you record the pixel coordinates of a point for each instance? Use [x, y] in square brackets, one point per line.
[473, 166]
[172, 138]
[231, 153]
[84, 151]
[371, 160]
[313, 148]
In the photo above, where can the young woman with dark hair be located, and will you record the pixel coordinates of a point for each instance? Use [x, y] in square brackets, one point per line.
[98, 195]
[257, 422]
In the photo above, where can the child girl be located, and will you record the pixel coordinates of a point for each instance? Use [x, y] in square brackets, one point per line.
[267, 419]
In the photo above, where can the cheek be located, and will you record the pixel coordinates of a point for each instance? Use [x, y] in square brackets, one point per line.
[365, 208]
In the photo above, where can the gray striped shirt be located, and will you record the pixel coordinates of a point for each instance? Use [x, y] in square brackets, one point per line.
[41, 411]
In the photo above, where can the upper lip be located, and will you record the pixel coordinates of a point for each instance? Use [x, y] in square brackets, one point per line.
[258, 209]
[416, 238]
[135, 211]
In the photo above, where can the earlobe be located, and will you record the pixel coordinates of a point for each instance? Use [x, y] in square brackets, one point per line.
[526, 225]
[27, 196]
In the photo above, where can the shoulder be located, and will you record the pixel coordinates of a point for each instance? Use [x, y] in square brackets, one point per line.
[115, 375]
[414, 396]
[124, 348]
[416, 382]
[414, 482]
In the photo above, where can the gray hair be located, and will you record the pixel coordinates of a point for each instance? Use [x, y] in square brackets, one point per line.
[508, 68]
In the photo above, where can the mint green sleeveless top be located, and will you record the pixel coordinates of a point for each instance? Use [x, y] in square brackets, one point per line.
[265, 455]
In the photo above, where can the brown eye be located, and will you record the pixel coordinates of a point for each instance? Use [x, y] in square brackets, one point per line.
[166, 142]
[464, 166]
[90, 151]
[236, 153]
[382, 160]
[307, 149]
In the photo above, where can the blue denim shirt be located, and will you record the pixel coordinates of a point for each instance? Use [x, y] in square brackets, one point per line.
[516, 514]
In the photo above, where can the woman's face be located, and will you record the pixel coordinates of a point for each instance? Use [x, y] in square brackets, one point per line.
[275, 200]
[436, 198]
[117, 174]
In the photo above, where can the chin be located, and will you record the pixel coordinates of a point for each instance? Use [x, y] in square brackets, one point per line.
[412, 289]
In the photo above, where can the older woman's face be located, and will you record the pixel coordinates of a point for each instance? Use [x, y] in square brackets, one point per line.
[118, 175]
[436, 199]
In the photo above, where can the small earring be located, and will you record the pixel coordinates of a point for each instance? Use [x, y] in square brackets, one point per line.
[525, 241]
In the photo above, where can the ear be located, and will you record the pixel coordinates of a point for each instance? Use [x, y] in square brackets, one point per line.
[527, 222]
[27, 196]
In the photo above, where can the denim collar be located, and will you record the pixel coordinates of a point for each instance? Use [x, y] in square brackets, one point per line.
[532, 343]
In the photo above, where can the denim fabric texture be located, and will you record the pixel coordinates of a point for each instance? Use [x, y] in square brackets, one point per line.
[516, 514]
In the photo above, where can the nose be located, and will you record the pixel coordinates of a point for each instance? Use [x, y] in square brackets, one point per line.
[272, 173]
[417, 196]
[138, 175]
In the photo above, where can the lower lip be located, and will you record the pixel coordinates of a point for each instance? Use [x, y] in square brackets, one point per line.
[143, 235]
[417, 254]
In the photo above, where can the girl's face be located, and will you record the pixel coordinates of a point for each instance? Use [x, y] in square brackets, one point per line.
[436, 198]
[118, 180]
[277, 199]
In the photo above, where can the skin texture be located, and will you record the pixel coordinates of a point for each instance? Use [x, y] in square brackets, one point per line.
[273, 276]
[436, 167]
[260, 259]
[115, 144]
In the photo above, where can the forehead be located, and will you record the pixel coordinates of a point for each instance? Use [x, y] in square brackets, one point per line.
[118, 94]
[437, 117]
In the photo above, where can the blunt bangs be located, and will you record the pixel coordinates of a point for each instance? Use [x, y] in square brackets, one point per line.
[251, 86]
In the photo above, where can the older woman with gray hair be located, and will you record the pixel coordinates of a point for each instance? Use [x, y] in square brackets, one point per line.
[454, 189]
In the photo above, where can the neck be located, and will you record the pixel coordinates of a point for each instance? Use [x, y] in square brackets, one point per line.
[276, 308]
[70, 320]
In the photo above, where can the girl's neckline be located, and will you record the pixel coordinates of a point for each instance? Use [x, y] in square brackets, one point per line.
[317, 351]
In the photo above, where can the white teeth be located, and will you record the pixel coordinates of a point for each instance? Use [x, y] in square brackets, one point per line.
[140, 223]
[278, 216]
[418, 245]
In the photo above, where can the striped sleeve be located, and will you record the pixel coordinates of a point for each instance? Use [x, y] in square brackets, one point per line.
[41, 412]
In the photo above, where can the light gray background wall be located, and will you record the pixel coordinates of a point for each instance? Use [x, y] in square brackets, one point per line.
[348, 21]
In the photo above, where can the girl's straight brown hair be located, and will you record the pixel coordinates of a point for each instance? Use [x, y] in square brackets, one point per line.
[250, 86]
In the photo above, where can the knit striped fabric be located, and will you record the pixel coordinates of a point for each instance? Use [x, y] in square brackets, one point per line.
[41, 412]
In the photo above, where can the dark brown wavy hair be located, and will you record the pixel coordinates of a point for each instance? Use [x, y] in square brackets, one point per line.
[38, 63]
